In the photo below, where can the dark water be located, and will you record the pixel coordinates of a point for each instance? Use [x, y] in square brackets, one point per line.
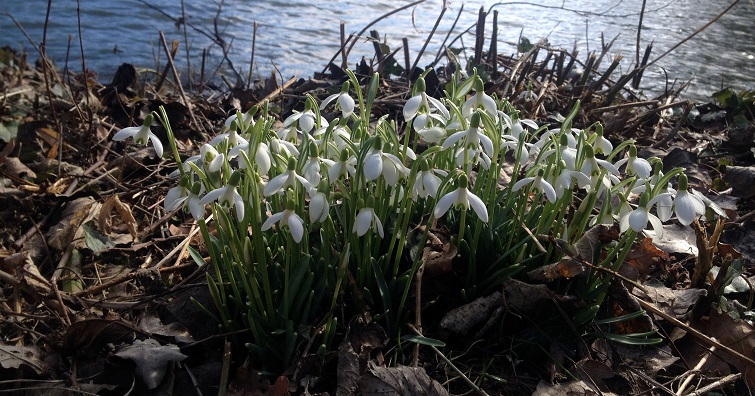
[299, 37]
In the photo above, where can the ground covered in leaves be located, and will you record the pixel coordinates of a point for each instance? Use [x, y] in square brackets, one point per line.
[97, 284]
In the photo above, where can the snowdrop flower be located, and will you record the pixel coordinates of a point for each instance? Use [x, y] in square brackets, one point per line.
[366, 219]
[636, 166]
[539, 184]
[433, 134]
[601, 144]
[319, 207]
[311, 169]
[638, 219]
[380, 163]
[515, 126]
[141, 135]
[344, 102]
[261, 156]
[306, 119]
[287, 218]
[426, 184]
[421, 103]
[211, 159]
[188, 198]
[227, 195]
[344, 167]
[473, 137]
[566, 179]
[512, 143]
[687, 206]
[232, 137]
[480, 100]
[591, 166]
[461, 198]
[240, 121]
[285, 180]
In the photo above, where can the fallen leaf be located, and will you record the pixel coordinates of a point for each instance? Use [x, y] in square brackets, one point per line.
[594, 372]
[673, 302]
[568, 388]
[151, 324]
[462, 319]
[646, 257]
[151, 359]
[736, 334]
[88, 336]
[13, 357]
[677, 239]
[402, 380]
[16, 168]
[650, 359]
[124, 211]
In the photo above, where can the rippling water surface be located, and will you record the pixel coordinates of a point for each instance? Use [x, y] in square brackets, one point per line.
[299, 37]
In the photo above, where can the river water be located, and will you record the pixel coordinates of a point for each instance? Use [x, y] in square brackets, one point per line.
[299, 37]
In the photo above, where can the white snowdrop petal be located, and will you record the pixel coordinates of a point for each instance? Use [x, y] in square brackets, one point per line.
[126, 133]
[478, 206]
[444, 203]
[296, 226]
[638, 219]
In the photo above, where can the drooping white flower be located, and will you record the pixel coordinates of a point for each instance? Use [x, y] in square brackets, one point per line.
[421, 103]
[211, 159]
[188, 198]
[635, 165]
[427, 182]
[687, 206]
[538, 183]
[367, 219]
[141, 135]
[344, 102]
[242, 123]
[289, 178]
[227, 196]
[638, 219]
[601, 144]
[306, 120]
[287, 218]
[473, 138]
[261, 156]
[319, 207]
[480, 100]
[231, 137]
[345, 167]
[515, 126]
[312, 168]
[566, 179]
[461, 198]
[378, 162]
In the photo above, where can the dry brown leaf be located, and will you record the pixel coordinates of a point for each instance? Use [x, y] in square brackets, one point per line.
[13, 357]
[14, 167]
[124, 211]
[402, 380]
[736, 334]
[462, 319]
[646, 257]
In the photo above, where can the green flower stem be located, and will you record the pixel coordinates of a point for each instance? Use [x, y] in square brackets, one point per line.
[163, 117]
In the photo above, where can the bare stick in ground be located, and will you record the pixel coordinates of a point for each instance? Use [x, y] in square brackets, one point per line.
[251, 61]
[178, 82]
[354, 38]
[430, 36]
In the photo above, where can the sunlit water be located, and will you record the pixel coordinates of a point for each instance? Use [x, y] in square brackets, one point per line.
[299, 37]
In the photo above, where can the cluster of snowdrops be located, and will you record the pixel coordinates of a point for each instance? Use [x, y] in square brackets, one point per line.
[299, 206]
